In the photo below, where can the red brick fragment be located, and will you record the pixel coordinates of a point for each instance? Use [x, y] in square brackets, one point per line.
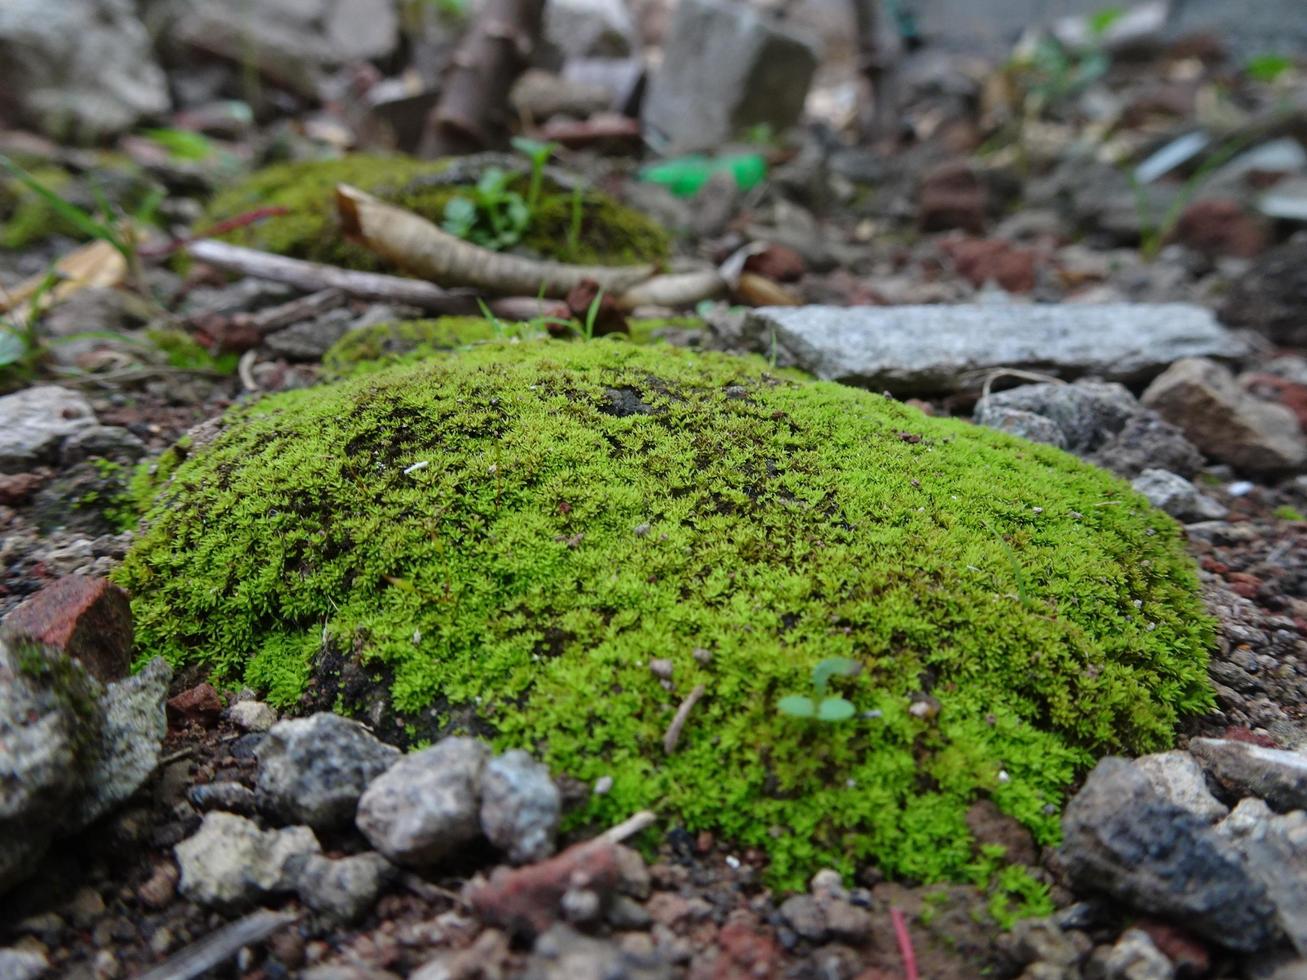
[526, 900]
[16, 488]
[200, 705]
[1189, 957]
[89, 619]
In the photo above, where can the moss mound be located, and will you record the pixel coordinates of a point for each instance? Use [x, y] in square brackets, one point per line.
[383, 345]
[610, 233]
[504, 540]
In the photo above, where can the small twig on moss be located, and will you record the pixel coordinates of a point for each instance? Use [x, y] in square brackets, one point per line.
[673, 736]
[177, 756]
[628, 828]
[905, 944]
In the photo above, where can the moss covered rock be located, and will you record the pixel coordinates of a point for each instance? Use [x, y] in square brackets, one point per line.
[505, 540]
[610, 234]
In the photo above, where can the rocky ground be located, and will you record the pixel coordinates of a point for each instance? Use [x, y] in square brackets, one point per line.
[1033, 218]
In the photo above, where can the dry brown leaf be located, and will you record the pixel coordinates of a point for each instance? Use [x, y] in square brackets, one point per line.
[95, 264]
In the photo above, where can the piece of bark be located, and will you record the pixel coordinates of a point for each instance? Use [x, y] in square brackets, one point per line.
[416, 244]
[472, 113]
[314, 277]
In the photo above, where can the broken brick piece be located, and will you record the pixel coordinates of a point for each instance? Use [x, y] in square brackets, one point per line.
[200, 705]
[526, 901]
[88, 619]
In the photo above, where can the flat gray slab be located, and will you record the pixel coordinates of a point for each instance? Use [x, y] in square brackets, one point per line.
[912, 350]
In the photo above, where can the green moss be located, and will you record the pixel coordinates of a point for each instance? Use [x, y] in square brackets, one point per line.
[183, 351]
[502, 540]
[27, 219]
[1287, 512]
[388, 344]
[611, 234]
[402, 342]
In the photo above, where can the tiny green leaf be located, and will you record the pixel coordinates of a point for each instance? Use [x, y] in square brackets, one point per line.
[797, 705]
[835, 709]
[831, 666]
[13, 348]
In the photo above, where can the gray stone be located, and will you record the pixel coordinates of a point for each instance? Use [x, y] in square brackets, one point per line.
[990, 27]
[39, 725]
[36, 421]
[106, 441]
[590, 28]
[1248, 819]
[1019, 422]
[294, 42]
[1177, 496]
[846, 922]
[1044, 941]
[1245, 30]
[1271, 297]
[932, 349]
[726, 67]
[1148, 442]
[1086, 414]
[70, 750]
[1178, 778]
[1123, 838]
[1277, 858]
[344, 889]
[127, 746]
[1277, 776]
[426, 805]
[802, 914]
[308, 340]
[313, 770]
[252, 716]
[230, 863]
[79, 69]
[520, 806]
[1134, 957]
[1286, 201]
[562, 953]
[22, 964]
[1203, 399]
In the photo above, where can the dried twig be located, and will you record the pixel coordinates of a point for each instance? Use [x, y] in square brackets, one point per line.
[628, 828]
[414, 243]
[200, 957]
[314, 276]
[674, 289]
[994, 375]
[673, 736]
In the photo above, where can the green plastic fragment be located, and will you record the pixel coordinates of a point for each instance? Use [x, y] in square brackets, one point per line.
[684, 176]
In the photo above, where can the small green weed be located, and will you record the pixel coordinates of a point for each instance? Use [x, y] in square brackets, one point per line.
[1288, 513]
[1268, 68]
[820, 706]
[495, 216]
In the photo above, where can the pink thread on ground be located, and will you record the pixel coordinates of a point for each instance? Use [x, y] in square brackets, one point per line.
[905, 944]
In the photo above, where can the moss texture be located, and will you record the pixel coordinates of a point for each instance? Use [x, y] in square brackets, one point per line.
[610, 233]
[503, 541]
[383, 345]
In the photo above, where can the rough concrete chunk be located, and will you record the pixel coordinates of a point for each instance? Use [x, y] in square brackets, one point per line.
[726, 67]
[1179, 779]
[932, 349]
[520, 806]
